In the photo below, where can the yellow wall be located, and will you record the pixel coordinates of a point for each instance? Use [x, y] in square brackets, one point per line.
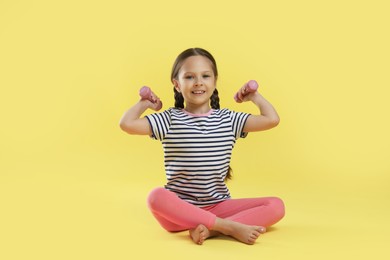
[69, 69]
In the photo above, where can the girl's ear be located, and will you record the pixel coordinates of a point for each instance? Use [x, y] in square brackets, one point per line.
[176, 85]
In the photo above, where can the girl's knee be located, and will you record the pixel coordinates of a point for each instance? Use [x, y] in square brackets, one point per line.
[156, 196]
[278, 207]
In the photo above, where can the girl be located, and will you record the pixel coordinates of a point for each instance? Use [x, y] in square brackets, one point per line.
[198, 138]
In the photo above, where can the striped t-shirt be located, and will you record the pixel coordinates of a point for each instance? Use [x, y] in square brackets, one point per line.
[197, 151]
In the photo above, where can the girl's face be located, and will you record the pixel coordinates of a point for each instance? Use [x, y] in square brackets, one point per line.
[196, 82]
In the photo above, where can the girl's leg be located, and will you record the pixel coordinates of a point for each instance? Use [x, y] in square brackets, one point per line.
[252, 211]
[175, 214]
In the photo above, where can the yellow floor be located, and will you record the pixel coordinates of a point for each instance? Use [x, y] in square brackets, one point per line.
[94, 208]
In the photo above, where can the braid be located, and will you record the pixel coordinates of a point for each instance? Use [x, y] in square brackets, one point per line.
[179, 100]
[229, 174]
[214, 100]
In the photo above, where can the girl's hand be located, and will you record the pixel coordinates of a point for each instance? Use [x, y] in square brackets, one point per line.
[244, 94]
[153, 102]
[156, 105]
[250, 96]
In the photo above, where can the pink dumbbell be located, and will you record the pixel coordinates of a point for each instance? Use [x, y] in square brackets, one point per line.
[146, 93]
[249, 87]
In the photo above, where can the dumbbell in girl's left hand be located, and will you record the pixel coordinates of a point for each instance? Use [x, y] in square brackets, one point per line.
[249, 87]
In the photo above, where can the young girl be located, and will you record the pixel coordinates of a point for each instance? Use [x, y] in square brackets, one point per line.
[198, 138]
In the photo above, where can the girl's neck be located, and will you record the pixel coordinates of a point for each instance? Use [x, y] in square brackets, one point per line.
[204, 110]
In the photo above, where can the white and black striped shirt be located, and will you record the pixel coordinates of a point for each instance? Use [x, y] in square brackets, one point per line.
[197, 151]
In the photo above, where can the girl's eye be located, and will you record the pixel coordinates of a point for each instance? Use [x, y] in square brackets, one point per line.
[206, 76]
[188, 77]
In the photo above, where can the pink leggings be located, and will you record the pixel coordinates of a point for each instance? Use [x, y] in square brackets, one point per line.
[175, 214]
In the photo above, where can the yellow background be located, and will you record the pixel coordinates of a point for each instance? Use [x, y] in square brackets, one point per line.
[73, 185]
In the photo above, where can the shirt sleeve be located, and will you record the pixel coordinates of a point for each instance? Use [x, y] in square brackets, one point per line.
[238, 123]
[159, 123]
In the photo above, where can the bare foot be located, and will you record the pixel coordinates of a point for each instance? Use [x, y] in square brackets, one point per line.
[199, 234]
[244, 233]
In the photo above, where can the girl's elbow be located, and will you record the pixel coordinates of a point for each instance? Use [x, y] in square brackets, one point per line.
[122, 125]
[126, 128]
[275, 122]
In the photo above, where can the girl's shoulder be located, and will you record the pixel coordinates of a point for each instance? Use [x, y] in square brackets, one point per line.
[170, 111]
[174, 111]
[224, 111]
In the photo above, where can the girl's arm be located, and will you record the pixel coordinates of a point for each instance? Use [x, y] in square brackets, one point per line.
[131, 122]
[268, 117]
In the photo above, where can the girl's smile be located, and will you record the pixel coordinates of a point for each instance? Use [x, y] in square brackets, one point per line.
[198, 92]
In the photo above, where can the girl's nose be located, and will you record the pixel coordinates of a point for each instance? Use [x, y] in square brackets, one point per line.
[198, 82]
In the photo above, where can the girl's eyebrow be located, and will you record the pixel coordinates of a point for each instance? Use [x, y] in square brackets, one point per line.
[206, 71]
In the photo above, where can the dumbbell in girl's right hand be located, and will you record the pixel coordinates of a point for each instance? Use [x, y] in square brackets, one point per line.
[249, 87]
[147, 94]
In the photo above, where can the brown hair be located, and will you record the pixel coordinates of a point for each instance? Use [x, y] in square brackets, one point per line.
[214, 99]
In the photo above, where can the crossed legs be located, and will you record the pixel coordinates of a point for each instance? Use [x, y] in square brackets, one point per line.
[243, 219]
